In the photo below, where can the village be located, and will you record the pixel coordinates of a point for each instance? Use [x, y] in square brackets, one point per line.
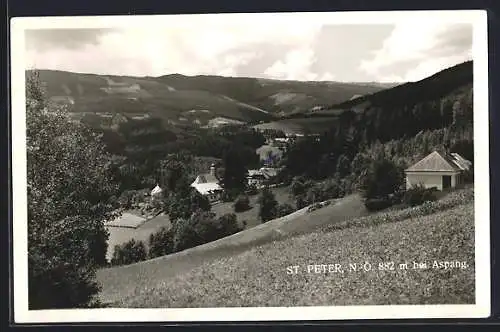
[437, 172]
[139, 223]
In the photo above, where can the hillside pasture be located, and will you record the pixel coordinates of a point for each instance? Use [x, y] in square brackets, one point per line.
[125, 280]
[258, 276]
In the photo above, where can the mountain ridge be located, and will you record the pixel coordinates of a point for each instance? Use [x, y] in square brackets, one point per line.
[436, 93]
[240, 98]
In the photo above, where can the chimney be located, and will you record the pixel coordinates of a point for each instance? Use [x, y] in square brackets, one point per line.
[212, 170]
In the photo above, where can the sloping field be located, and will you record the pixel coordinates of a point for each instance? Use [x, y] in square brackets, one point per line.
[258, 276]
[124, 281]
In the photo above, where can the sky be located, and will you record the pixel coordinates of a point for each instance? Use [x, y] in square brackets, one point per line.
[278, 49]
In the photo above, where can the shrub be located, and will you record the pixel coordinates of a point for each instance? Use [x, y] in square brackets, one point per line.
[382, 179]
[333, 189]
[202, 227]
[397, 197]
[377, 204]
[242, 203]
[284, 209]
[268, 205]
[252, 190]
[156, 204]
[131, 199]
[129, 252]
[315, 194]
[227, 196]
[181, 204]
[227, 225]
[161, 243]
[300, 202]
[418, 195]
[126, 199]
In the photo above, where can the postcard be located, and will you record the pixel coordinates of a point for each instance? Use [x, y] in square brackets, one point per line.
[250, 167]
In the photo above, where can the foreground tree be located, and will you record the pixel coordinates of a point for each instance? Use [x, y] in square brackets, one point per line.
[69, 189]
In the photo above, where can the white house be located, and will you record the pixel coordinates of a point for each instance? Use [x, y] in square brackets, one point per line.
[156, 191]
[208, 185]
[438, 170]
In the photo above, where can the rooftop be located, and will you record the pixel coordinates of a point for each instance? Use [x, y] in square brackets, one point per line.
[437, 162]
[127, 219]
[206, 178]
[206, 188]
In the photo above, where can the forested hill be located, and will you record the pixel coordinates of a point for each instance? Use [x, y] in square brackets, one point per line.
[430, 88]
[403, 110]
[433, 103]
[404, 122]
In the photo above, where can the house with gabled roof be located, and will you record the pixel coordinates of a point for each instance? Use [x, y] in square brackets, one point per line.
[156, 192]
[208, 185]
[439, 170]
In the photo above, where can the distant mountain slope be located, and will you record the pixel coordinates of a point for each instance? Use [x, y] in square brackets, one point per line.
[416, 101]
[195, 99]
[276, 96]
[111, 94]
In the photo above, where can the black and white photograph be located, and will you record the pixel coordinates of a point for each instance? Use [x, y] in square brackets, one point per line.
[244, 167]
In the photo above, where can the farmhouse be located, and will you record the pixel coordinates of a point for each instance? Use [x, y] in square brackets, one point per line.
[255, 178]
[208, 185]
[442, 171]
[260, 177]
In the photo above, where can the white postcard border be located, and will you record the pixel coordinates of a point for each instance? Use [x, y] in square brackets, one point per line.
[477, 18]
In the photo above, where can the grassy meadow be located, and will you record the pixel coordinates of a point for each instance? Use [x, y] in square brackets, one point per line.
[257, 276]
